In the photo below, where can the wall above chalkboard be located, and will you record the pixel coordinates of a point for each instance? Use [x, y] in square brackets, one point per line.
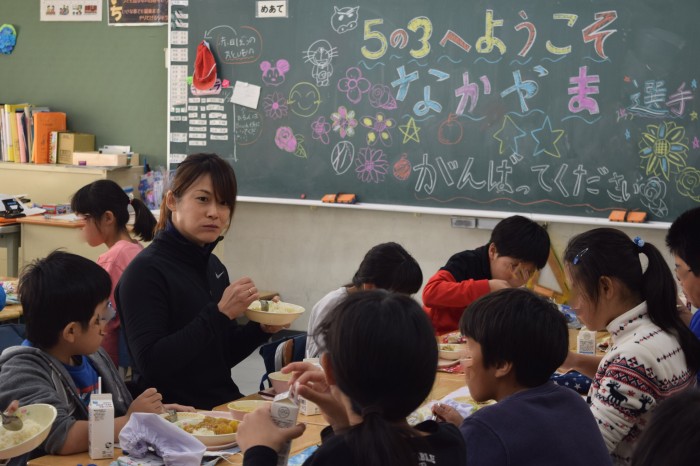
[574, 107]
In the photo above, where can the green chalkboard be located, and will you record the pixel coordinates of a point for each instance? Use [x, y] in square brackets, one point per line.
[572, 107]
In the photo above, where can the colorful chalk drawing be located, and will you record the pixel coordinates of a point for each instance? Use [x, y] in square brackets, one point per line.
[320, 129]
[273, 75]
[379, 129]
[275, 105]
[402, 168]
[304, 99]
[663, 149]
[353, 85]
[504, 108]
[371, 165]
[344, 122]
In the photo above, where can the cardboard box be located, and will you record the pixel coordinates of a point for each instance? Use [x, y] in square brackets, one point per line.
[308, 408]
[68, 143]
[101, 426]
[96, 159]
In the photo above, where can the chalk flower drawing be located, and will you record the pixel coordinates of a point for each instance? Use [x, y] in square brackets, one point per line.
[275, 105]
[320, 129]
[371, 165]
[688, 183]
[663, 149]
[652, 193]
[285, 139]
[344, 122]
[378, 129]
[354, 85]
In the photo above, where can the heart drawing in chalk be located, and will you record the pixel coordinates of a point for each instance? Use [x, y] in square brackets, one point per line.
[8, 39]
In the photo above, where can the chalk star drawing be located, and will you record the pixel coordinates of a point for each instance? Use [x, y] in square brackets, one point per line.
[694, 84]
[508, 135]
[410, 131]
[547, 140]
[693, 115]
[696, 143]
[627, 134]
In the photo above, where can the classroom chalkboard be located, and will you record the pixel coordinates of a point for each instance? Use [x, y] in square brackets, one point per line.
[570, 107]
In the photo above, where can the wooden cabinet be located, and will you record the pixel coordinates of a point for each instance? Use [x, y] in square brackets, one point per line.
[51, 184]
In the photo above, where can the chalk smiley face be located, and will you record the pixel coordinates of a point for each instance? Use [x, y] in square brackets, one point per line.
[304, 99]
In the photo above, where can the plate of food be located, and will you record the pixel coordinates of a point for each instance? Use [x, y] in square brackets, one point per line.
[273, 313]
[212, 428]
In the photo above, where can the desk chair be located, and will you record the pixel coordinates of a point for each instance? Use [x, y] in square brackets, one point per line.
[293, 349]
[11, 335]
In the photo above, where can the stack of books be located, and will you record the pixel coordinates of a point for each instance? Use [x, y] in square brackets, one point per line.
[25, 133]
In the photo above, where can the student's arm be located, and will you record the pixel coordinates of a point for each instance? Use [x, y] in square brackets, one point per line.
[586, 364]
[442, 290]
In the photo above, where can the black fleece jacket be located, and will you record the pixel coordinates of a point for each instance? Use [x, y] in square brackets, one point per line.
[179, 341]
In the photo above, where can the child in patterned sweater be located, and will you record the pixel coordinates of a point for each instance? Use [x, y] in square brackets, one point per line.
[653, 354]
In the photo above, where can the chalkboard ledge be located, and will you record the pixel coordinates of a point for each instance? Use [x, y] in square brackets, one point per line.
[542, 218]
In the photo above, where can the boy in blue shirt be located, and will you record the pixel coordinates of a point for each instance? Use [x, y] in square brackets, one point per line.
[65, 303]
[515, 340]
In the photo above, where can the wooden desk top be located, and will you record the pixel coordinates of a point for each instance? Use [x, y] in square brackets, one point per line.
[41, 220]
[11, 312]
[444, 384]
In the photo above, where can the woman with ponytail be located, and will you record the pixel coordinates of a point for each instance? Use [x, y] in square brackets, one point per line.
[626, 287]
[104, 206]
[379, 366]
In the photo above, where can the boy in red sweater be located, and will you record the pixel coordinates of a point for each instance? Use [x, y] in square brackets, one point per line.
[518, 246]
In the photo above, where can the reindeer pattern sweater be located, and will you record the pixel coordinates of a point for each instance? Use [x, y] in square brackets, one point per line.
[645, 365]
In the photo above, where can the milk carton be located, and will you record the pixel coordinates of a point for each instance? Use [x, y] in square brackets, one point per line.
[284, 413]
[585, 342]
[101, 426]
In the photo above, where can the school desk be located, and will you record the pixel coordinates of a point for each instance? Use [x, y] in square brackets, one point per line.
[40, 236]
[444, 384]
[10, 240]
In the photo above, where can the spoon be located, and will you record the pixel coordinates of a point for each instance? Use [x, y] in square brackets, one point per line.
[11, 422]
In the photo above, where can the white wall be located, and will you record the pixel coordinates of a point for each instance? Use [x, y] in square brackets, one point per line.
[305, 252]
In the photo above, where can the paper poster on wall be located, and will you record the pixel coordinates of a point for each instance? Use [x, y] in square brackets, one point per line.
[137, 12]
[70, 10]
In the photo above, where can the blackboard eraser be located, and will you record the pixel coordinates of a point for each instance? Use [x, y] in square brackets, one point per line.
[339, 198]
[637, 217]
[618, 216]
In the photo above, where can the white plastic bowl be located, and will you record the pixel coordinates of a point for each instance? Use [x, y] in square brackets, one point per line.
[42, 414]
[280, 381]
[240, 408]
[451, 351]
[277, 314]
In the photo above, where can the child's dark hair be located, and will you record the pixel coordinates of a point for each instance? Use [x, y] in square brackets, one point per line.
[378, 341]
[57, 290]
[607, 252]
[100, 196]
[190, 170]
[515, 325]
[673, 434]
[390, 267]
[521, 238]
[682, 241]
